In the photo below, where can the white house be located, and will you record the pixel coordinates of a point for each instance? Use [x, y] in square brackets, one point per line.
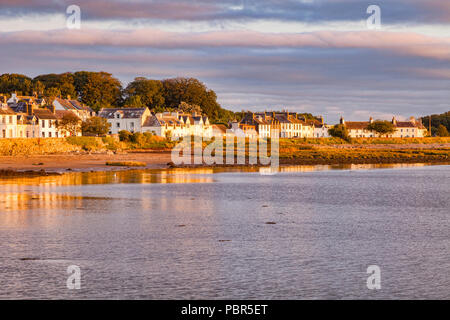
[176, 124]
[403, 129]
[8, 123]
[129, 119]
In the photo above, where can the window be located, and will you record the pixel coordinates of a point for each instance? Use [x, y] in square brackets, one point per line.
[49, 134]
[4, 133]
[118, 124]
[43, 134]
[118, 116]
[43, 123]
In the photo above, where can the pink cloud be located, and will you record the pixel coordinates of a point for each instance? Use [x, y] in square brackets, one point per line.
[399, 42]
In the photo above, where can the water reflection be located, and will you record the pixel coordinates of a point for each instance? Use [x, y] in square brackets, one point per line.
[172, 234]
[181, 175]
[115, 177]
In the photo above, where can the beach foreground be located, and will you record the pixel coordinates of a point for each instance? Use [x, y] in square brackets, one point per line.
[298, 154]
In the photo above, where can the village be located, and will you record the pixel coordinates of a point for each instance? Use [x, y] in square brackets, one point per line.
[34, 117]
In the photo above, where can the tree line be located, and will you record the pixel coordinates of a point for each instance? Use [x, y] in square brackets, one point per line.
[440, 124]
[101, 90]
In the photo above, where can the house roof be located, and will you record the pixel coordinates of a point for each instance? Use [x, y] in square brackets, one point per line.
[409, 124]
[44, 114]
[18, 107]
[127, 113]
[356, 125]
[73, 105]
[219, 128]
[6, 111]
[59, 114]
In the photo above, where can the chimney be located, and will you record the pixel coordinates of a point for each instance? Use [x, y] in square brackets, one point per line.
[52, 108]
[371, 120]
[342, 121]
[394, 121]
[29, 109]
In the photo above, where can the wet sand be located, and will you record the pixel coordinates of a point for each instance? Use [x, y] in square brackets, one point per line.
[84, 162]
[81, 162]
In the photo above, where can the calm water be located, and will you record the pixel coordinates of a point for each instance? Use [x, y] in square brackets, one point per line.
[160, 234]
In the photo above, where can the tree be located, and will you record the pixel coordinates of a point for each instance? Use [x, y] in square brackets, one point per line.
[39, 88]
[149, 92]
[95, 126]
[98, 89]
[193, 92]
[134, 102]
[125, 135]
[382, 127]
[442, 131]
[52, 93]
[70, 123]
[436, 120]
[339, 131]
[13, 82]
[63, 82]
[189, 108]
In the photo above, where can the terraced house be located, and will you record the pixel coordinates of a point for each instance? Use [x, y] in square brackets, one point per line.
[164, 124]
[26, 117]
[287, 124]
[80, 110]
[178, 124]
[403, 129]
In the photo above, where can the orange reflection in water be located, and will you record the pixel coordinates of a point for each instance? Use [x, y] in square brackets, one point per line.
[111, 177]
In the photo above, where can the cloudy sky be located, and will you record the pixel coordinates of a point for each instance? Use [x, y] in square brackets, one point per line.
[303, 55]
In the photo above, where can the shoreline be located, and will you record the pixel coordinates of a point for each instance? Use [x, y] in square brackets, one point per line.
[47, 165]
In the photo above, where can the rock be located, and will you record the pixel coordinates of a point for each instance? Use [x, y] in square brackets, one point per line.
[171, 164]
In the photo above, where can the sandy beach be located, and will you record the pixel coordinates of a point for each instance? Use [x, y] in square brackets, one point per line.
[323, 155]
[81, 162]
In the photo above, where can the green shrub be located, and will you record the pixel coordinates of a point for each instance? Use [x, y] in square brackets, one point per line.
[86, 143]
[125, 135]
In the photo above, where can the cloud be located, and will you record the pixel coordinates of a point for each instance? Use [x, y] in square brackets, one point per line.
[329, 72]
[393, 11]
[397, 42]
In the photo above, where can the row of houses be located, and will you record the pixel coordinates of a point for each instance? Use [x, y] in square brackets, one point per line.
[32, 117]
[292, 125]
[164, 124]
[412, 128]
[285, 124]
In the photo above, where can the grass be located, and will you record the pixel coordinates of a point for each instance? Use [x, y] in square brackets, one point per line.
[126, 164]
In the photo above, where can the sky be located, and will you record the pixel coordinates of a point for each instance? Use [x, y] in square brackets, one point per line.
[317, 56]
